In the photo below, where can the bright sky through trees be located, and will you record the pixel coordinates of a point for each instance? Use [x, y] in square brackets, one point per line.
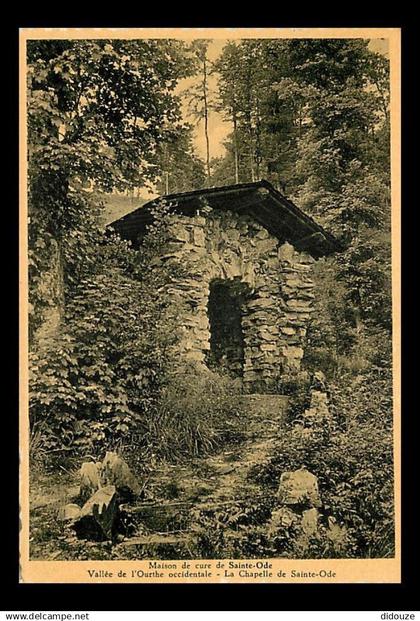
[218, 127]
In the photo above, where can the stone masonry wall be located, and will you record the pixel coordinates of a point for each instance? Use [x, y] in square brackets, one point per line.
[225, 246]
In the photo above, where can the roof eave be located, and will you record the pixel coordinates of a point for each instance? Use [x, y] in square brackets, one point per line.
[316, 242]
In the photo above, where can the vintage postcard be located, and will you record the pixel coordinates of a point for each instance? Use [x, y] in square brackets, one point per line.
[210, 305]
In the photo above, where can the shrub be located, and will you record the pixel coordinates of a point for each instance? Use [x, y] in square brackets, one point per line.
[100, 378]
[199, 410]
[354, 466]
[108, 379]
[297, 387]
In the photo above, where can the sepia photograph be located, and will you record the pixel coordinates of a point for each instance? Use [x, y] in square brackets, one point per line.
[209, 288]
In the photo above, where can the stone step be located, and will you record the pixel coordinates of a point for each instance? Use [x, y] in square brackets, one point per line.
[266, 406]
[225, 479]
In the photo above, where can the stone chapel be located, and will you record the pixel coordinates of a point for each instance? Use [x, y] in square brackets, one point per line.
[248, 295]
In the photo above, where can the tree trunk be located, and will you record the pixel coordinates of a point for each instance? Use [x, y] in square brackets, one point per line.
[206, 119]
[258, 158]
[235, 146]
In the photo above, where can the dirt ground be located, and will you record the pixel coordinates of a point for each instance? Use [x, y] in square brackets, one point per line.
[185, 505]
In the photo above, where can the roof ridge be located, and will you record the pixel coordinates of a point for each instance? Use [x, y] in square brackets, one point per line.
[295, 225]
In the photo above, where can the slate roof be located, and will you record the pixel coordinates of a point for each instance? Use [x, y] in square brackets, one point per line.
[259, 200]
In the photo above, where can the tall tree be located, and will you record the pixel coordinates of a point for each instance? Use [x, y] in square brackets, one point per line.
[343, 166]
[228, 67]
[249, 72]
[199, 94]
[312, 117]
[181, 169]
[97, 113]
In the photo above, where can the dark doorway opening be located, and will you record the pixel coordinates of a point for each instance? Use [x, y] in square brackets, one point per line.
[225, 305]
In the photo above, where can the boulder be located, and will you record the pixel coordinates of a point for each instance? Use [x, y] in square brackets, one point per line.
[90, 479]
[98, 515]
[318, 410]
[69, 512]
[282, 518]
[115, 471]
[310, 522]
[299, 488]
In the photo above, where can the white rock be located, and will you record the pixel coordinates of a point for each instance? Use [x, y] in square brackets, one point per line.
[299, 487]
[282, 518]
[116, 472]
[90, 478]
[98, 514]
[310, 522]
[69, 512]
